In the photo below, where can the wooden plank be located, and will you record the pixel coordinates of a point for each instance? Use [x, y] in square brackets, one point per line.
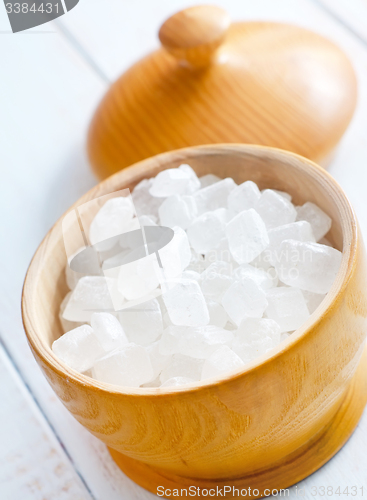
[33, 464]
[352, 13]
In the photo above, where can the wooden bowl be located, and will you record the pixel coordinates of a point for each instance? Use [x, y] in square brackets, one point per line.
[266, 426]
[212, 82]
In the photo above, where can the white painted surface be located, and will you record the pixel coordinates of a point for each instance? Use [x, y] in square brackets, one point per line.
[51, 81]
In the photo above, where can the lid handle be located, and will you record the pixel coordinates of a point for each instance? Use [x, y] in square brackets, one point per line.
[193, 35]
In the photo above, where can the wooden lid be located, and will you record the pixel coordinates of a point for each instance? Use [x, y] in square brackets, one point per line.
[214, 82]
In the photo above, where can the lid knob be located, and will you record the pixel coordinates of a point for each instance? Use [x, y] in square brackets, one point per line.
[193, 35]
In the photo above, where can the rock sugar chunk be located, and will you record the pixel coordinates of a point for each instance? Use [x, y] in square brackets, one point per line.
[178, 211]
[182, 180]
[287, 306]
[216, 279]
[159, 361]
[222, 361]
[78, 348]
[129, 366]
[244, 197]
[247, 236]
[309, 266]
[144, 202]
[90, 295]
[139, 277]
[217, 313]
[313, 300]
[264, 279]
[208, 180]
[180, 365]
[177, 381]
[299, 231]
[176, 255]
[255, 337]
[214, 196]
[244, 299]
[142, 323]
[197, 342]
[319, 220]
[112, 219]
[206, 232]
[275, 210]
[186, 304]
[108, 331]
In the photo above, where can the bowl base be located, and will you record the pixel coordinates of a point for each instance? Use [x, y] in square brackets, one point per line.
[290, 470]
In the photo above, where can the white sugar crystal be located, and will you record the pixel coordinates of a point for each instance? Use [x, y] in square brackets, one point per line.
[144, 202]
[275, 210]
[108, 331]
[138, 278]
[214, 196]
[129, 366]
[244, 298]
[142, 323]
[177, 211]
[263, 261]
[182, 180]
[191, 275]
[222, 253]
[217, 314]
[216, 279]
[313, 300]
[223, 360]
[309, 266]
[186, 304]
[177, 381]
[111, 220]
[208, 301]
[256, 328]
[285, 195]
[249, 351]
[78, 348]
[91, 294]
[148, 220]
[206, 232]
[243, 197]
[197, 342]
[67, 325]
[176, 255]
[319, 220]
[264, 279]
[247, 236]
[182, 366]
[208, 180]
[159, 361]
[300, 231]
[287, 306]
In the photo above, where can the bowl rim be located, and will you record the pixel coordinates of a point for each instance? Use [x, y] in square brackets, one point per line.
[349, 255]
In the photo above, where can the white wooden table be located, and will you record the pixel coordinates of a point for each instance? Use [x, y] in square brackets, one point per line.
[51, 79]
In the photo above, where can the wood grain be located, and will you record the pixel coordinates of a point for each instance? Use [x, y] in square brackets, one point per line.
[241, 425]
[49, 474]
[268, 83]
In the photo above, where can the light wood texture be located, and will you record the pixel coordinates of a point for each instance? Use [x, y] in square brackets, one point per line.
[23, 428]
[267, 83]
[193, 35]
[352, 13]
[243, 425]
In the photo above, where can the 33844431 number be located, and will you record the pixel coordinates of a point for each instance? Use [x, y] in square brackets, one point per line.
[24, 8]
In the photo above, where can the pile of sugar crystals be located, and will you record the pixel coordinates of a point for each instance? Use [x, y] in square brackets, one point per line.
[245, 268]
